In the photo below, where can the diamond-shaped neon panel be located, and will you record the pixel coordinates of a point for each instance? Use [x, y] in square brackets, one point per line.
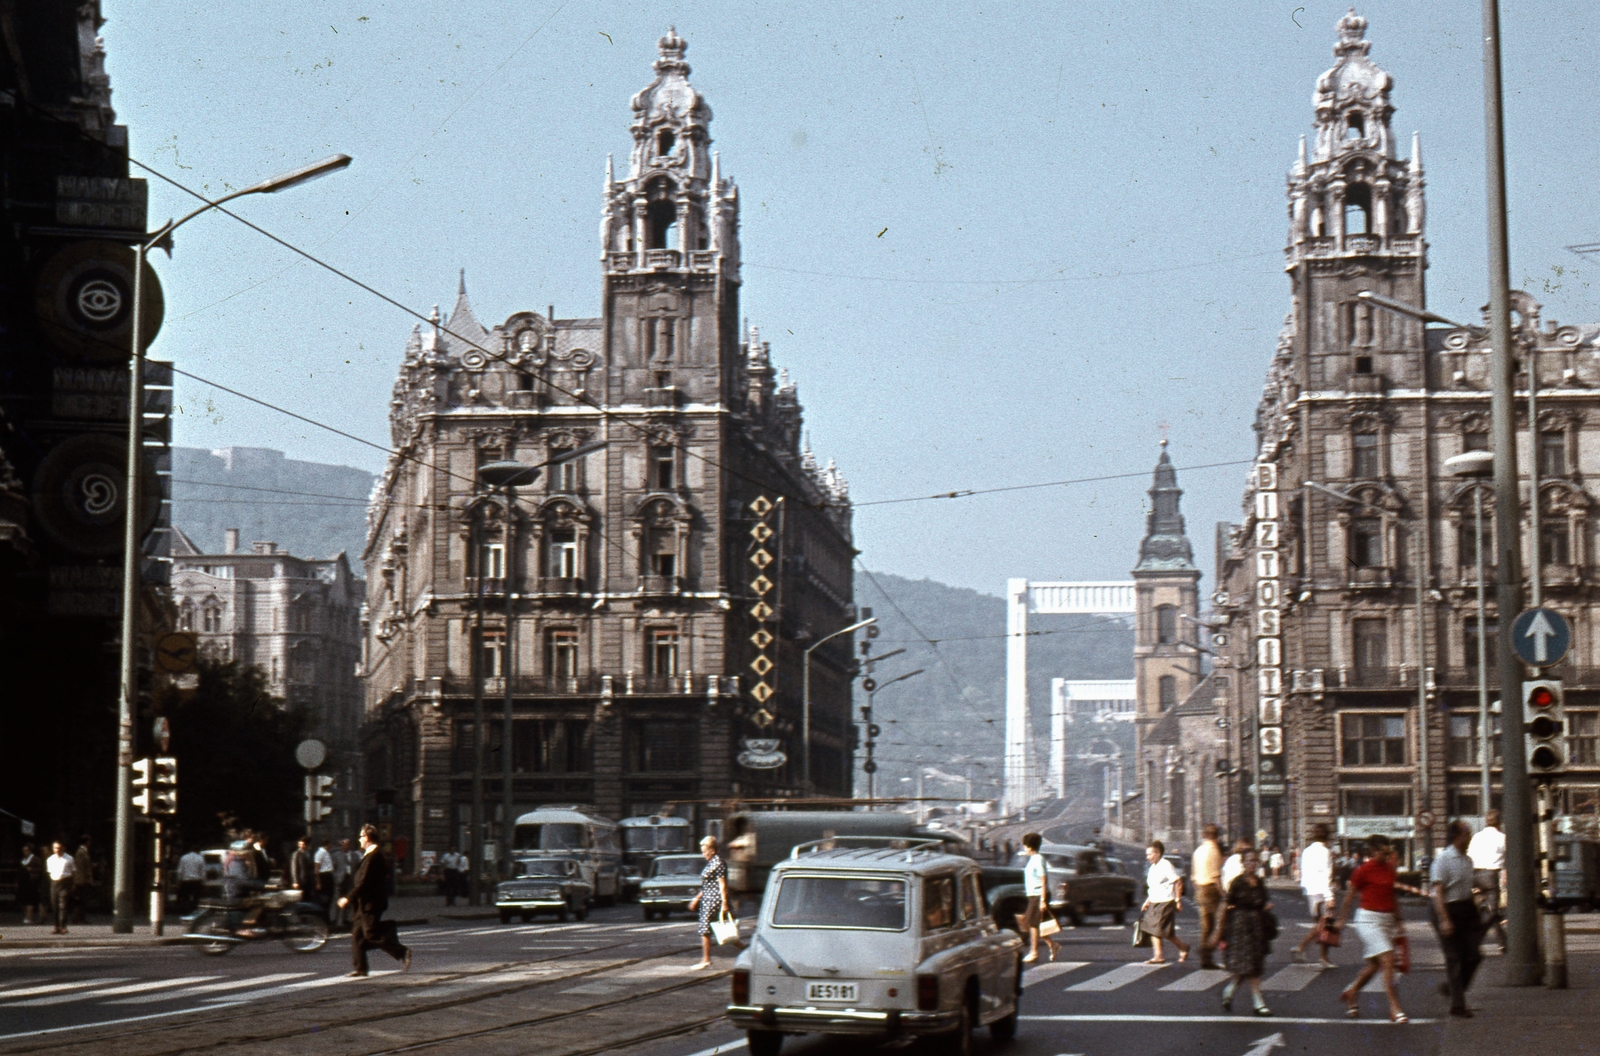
[761, 664]
[761, 532]
[762, 718]
[762, 638]
[761, 691]
[761, 505]
[761, 559]
[761, 585]
[761, 611]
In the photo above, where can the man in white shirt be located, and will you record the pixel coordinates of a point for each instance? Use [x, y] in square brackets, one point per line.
[1455, 916]
[191, 880]
[1163, 898]
[323, 860]
[1488, 854]
[1316, 880]
[60, 868]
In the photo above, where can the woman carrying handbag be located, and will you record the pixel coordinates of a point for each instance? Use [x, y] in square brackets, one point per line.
[1378, 923]
[1036, 885]
[1248, 927]
[712, 901]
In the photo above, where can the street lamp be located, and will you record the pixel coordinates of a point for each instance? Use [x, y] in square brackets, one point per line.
[122, 866]
[872, 781]
[502, 478]
[805, 697]
[1475, 466]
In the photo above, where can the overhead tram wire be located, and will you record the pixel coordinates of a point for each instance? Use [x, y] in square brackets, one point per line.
[968, 493]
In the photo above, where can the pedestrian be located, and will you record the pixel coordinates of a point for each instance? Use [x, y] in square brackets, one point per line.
[368, 898]
[1275, 862]
[1205, 871]
[1163, 901]
[82, 879]
[1488, 853]
[1036, 886]
[1245, 926]
[712, 901]
[1235, 863]
[303, 869]
[1316, 880]
[60, 867]
[30, 878]
[1377, 923]
[352, 861]
[450, 867]
[1455, 916]
[191, 880]
[323, 860]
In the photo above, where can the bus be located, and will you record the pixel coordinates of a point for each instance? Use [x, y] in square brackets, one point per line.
[756, 840]
[646, 836]
[574, 832]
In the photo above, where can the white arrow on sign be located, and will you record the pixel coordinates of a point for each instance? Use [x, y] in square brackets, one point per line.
[1266, 1045]
[1541, 630]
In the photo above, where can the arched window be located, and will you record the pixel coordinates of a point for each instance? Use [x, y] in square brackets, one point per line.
[1355, 126]
[211, 617]
[1357, 210]
[1166, 624]
[1167, 687]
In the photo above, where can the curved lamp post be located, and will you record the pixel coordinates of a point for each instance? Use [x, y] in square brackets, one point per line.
[1477, 466]
[805, 697]
[122, 871]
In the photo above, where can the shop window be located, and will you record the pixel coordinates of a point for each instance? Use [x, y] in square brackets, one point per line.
[1376, 802]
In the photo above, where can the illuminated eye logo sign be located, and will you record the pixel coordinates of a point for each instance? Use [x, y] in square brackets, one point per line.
[99, 300]
[99, 494]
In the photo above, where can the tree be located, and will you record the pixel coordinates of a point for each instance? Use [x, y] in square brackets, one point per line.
[235, 743]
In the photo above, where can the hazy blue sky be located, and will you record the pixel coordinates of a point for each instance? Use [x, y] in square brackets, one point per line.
[993, 245]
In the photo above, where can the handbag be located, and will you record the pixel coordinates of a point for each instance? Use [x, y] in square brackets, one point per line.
[725, 929]
[1049, 925]
[1269, 925]
[1139, 937]
[1327, 934]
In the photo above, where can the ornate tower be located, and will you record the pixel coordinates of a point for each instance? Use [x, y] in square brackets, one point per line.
[1356, 223]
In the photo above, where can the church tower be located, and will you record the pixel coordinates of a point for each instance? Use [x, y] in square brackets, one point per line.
[1356, 216]
[670, 248]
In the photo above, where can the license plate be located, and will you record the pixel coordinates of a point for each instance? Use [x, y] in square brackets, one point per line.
[830, 991]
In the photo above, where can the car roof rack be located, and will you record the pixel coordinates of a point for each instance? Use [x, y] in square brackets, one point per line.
[911, 845]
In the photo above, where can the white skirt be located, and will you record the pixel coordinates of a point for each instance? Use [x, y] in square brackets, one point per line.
[1376, 931]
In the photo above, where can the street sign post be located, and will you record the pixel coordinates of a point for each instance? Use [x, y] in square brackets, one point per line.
[176, 652]
[1541, 637]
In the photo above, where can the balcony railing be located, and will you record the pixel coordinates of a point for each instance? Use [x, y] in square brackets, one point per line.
[662, 259]
[667, 396]
[687, 684]
[660, 584]
[561, 585]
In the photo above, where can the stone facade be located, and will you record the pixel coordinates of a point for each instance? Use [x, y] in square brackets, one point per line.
[659, 590]
[1340, 596]
[296, 618]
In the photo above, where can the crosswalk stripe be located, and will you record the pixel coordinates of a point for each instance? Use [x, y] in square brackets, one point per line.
[290, 988]
[1291, 977]
[91, 995]
[1196, 981]
[211, 988]
[1117, 978]
[1040, 972]
[54, 987]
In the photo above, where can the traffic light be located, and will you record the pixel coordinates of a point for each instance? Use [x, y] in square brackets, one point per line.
[164, 785]
[1542, 703]
[141, 780]
[319, 797]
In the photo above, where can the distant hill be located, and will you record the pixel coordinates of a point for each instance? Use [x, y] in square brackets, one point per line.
[957, 707]
[307, 508]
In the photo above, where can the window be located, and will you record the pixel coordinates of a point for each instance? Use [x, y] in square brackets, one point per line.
[564, 554]
[561, 654]
[938, 902]
[1475, 441]
[840, 902]
[186, 617]
[1177, 801]
[971, 898]
[211, 619]
[1552, 453]
[1364, 461]
[1374, 740]
[1355, 127]
[663, 224]
[665, 565]
[1363, 364]
[1366, 543]
[1168, 689]
[492, 654]
[552, 746]
[663, 468]
[1554, 543]
[1376, 802]
[1583, 737]
[1491, 631]
[1462, 749]
[1166, 624]
[1467, 542]
[1371, 638]
[662, 746]
[565, 477]
[1464, 801]
[663, 657]
[1357, 203]
[492, 560]
[665, 141]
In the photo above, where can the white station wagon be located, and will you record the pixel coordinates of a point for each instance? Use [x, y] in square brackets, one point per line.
[886, 941]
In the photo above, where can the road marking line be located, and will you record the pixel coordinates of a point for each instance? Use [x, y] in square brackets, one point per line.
[1117, 978]
[1040, 972]
[54, 987]
[718, 1050]
[1241, 1020]
[1291, 977]
[288, 988]
[90, 995]
[111, 1022]
[210, 988]
[1196, 981]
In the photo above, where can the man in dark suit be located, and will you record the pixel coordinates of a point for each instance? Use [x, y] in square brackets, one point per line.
[303, 870]
[368, 898]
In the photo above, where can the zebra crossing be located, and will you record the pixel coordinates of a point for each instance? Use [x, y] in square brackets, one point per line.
[1115, 976]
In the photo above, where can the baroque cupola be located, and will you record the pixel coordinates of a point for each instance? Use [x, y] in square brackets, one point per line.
[1165, 547]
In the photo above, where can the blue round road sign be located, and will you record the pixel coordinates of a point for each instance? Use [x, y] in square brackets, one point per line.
[1541, 637]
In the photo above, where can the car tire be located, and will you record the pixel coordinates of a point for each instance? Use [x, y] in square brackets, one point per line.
[525, 917]
[1119, 917]
[649, 914]
[958, 1042]
[505, 916]
[1003, 1030]
[764, 1042]
[561, 915]
[1075, 914]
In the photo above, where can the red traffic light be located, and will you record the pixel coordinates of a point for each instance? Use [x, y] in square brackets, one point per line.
[1541, 697]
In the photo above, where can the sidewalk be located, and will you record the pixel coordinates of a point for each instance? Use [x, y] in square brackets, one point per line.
[1528, 1018]
[407, 911]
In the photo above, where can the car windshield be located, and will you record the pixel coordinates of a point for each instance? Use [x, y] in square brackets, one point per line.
[544, 867]
[556, 836]
[678, 866]
[656, 838]
[840, 902]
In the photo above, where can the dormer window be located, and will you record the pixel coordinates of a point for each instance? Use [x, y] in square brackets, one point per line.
[665, 141]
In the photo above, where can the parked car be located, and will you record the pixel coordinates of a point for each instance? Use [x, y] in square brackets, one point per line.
[643, 838]
[1083, 883]
[1576, 874]
[544, 885]
[885, 942]
[674, 879]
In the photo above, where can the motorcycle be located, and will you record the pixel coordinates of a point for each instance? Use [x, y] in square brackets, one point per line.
[218, 927]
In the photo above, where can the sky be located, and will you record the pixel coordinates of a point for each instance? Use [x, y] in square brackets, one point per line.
[993, 245]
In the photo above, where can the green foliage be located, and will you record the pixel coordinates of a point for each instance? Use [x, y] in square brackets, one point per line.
[235, 742]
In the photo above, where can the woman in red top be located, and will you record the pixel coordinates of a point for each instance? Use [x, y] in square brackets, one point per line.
[1377, 921]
